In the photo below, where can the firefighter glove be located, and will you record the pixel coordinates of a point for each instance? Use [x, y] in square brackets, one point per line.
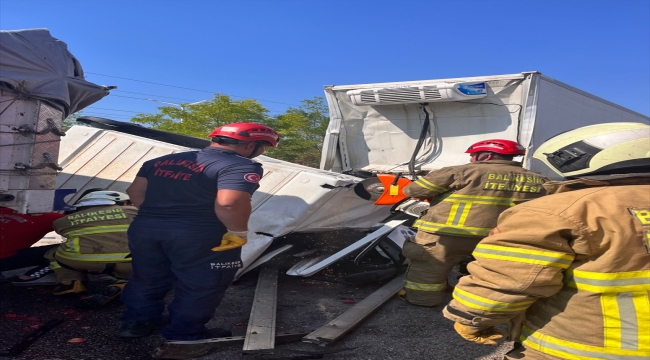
[230, 241]
[484, 336]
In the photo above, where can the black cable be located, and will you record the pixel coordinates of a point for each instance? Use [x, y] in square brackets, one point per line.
[185, 88]
[92, 107]
[160, 96]
[418, 146]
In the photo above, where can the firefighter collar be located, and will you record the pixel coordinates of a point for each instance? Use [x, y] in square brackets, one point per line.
[555, 187]
[506, 162]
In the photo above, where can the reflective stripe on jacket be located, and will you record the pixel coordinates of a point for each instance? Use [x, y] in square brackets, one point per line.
[96, 233]
[466, 200]
[570, 272]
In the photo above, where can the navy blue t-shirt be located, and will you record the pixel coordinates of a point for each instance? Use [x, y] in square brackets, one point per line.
[183, 186]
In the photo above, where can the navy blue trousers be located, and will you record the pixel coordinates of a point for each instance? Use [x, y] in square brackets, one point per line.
[166, 255]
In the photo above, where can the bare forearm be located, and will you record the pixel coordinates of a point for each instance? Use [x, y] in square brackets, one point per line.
[233, 208]
[137, 190]
[234, 217]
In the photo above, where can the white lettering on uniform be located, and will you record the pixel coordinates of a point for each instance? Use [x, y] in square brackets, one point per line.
[226, 265]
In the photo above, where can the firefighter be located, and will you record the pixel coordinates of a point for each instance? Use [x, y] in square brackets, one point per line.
[96, 242]
[191, 224]
[465, 203]
[570, 272]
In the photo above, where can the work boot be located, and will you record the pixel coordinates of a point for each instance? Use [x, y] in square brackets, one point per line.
[103, 296]
[136, 329]
[69, 287]
[217, 333]
[189, 351]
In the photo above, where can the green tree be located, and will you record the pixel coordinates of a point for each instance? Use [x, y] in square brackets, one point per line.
[71, 120]
[200, 119]
[302, 131]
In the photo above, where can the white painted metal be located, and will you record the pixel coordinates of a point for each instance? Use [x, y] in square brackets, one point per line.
[526, 107]
[382, 138]
[311, 270]
[262, 259]
[303, 264]
[416, 94]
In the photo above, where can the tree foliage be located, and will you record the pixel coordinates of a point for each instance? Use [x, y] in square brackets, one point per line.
[71, 120]
[200, 119]
[301, 129]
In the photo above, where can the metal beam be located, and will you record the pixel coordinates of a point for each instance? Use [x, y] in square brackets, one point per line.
[260, 336]
[343, 324]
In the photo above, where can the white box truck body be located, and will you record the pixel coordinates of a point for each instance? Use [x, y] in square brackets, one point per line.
[376, 127]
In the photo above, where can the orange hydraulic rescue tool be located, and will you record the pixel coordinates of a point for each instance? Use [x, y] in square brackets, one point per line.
[393, 189]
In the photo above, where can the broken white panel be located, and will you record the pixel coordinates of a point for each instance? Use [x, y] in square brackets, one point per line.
[401, 234]
[262, 259]
[385, 228]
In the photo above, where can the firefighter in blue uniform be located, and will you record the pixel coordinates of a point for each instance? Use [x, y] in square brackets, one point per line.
[192, 222]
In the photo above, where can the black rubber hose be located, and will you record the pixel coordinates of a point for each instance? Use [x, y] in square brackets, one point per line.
[423, 134]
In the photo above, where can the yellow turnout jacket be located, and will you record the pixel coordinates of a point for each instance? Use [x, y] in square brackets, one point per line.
[569, 271]
[466, 200]
[97, 233]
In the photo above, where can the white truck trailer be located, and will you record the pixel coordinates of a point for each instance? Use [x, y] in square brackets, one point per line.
[419, 126]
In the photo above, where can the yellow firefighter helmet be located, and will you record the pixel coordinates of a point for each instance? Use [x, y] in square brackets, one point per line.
[602, 149]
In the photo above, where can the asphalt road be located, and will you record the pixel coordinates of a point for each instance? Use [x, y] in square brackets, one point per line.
[396, 331]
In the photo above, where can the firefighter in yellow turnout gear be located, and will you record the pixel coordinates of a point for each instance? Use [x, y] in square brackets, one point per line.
[96, 242]
[570, 272]
[465, 203]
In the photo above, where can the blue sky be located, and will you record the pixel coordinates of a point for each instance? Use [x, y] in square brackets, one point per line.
[283, 51]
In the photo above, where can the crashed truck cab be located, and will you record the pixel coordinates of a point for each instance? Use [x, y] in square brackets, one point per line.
[393, 133]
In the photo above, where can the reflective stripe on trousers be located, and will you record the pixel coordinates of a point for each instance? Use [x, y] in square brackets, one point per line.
[425, 287]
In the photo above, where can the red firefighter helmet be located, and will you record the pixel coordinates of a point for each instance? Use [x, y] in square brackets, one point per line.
[498, 146]
[244, 131]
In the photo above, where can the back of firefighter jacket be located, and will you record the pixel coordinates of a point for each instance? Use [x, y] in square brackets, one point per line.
[466, 200]
[578, 273]
[96, 233]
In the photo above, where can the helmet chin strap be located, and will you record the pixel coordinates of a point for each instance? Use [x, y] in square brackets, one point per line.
[255, 149]
[484, 156]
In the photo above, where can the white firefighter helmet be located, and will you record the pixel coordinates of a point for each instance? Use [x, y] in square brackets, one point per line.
[601, 149]
[101, 198]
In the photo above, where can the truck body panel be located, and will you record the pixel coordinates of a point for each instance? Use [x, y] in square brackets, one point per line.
[526, 107]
